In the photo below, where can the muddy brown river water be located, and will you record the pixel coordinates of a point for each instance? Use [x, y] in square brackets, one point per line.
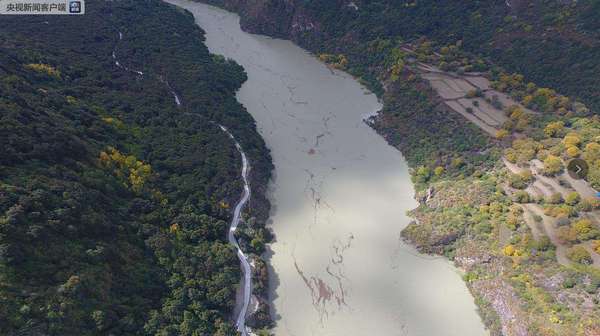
[340, 196]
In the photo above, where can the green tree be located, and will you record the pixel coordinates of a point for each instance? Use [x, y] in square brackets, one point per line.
[423, 174]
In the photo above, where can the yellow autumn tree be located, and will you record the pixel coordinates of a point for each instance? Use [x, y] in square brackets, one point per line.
[572, 140]
[44, 68]
[573, 152]
[591, 152]
[552, 165]
[501, 134]
[554, 128]
[135, 172]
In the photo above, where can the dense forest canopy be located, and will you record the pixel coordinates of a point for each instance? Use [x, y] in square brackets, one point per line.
[114, 201]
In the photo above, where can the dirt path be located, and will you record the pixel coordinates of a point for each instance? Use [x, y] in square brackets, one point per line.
[550, 228]
[550, 182]
[235, 221]
[581, 186]
[537, 228]
[514, 168]
[544, 188]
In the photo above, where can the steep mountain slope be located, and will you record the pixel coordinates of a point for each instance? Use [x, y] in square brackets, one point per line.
[554, 43]
[114, 200]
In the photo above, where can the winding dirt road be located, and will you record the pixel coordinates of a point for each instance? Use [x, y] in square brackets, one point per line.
[247, 288]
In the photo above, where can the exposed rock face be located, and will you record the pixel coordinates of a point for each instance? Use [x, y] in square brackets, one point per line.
[287, 19]
[272, 18]
[506, 304]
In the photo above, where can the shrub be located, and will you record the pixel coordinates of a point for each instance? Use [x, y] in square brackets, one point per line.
[522, 196]
[496, 103]
[558, 211]
[510, 250]
[517, 181]
[569, 282]
[526, 176]
[596, 246]
[572, 198]
[555, 198]
[543, 244]
[572, 140]
[501, 134]
[552, 165]
[585, 230]
[567, 235]
[589, 204]
[573, 152]
[423, 174]
[579, 255]
[554, 129]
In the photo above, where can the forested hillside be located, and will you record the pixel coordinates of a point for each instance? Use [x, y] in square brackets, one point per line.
[553, 43]
[114, 201]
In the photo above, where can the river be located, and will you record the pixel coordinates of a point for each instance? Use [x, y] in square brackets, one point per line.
[340, 195]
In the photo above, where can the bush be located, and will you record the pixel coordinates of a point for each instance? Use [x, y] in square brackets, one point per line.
[501, 134]
[559, 211]
[572, 198]
[585, 230]
[596, 246]
[543, 244]
[569, 282]
[552, 165]
[555, 198]
[496, 103]
[589, 204]
[510, 250]
[579, 255]
[554, 129]
[522, 196]
[422, 174]
[566, 235]
[517, 181]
